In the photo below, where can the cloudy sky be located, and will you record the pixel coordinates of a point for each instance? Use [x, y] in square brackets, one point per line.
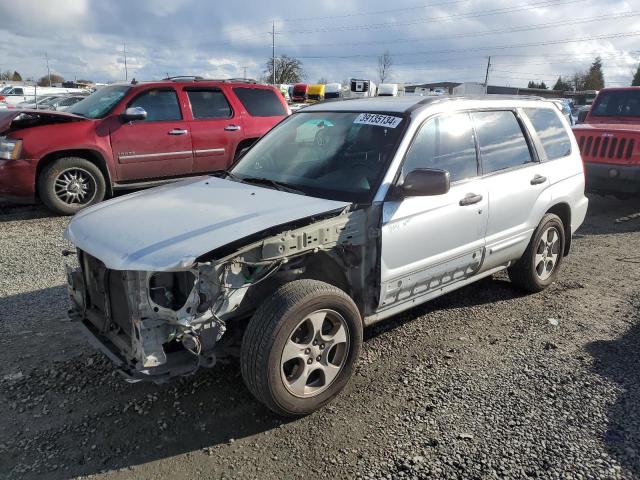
[429, 40]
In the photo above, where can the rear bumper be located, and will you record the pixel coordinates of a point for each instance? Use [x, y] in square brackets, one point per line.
[18, 180]
[611, 178]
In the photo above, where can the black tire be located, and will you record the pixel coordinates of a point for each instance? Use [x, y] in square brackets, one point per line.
[274, 324]
[524, 273]
[66, 204]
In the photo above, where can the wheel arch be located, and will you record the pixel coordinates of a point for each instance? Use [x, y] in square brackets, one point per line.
[90, 155]
[563, 210]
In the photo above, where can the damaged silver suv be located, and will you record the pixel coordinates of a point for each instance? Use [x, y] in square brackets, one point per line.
[346, 213]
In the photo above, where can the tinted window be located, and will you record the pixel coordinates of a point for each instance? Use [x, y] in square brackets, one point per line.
[260, 102]
[502, 143]
[160, 105]
[552, 134]
[18, 91]
[622, 103]
[209, 104]
[445, 143]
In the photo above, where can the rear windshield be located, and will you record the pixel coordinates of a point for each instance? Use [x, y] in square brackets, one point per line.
[622, 103]
[260, 102]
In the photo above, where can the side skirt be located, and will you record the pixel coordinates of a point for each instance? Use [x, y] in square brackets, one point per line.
[385, 313]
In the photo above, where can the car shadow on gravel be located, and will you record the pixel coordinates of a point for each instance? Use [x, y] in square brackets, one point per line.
[619, 361]
[486, 291]
[16, 212]
[609, 215]
[66, 412]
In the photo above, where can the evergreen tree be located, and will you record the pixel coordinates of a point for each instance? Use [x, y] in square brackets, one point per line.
[562, 85]
[16, 77]
[595, 78]
[636, 78]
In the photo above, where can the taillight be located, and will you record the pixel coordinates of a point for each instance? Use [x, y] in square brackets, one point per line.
[1, 98]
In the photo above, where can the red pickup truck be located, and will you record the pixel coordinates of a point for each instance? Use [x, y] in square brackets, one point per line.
[125, 136]
[609, 141]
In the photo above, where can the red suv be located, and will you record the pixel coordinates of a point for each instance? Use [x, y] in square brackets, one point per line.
[130, 135]
[609, 141]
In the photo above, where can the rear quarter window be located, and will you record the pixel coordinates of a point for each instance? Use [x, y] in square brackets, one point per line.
[260, 102]
[551, 131]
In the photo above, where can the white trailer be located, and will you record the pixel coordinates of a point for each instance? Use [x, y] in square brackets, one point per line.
[388, 90]
[362, 88]
[332, 90]
[470, 88]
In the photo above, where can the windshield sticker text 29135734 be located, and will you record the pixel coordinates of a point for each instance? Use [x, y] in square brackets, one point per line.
[378, 120]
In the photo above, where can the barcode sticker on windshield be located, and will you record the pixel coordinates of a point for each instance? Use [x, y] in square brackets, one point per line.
[378, 120]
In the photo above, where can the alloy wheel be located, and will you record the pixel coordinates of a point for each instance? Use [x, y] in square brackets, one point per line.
[547, 253]
[75, 186]
[315, 353]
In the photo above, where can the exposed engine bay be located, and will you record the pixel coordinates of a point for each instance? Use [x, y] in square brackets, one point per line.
[158, 325]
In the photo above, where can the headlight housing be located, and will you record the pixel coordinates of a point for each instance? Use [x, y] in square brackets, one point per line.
[10, 148]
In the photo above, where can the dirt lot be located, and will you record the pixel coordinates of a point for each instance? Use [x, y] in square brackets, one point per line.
[482, 383]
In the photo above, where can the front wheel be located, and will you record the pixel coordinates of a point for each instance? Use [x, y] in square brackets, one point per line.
[70, 184]
[538, 267]
[300, 347]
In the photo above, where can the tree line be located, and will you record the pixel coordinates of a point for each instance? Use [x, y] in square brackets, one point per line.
[591, 79]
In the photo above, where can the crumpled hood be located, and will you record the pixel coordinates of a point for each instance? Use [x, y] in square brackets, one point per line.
[25, 117]
[167, 228]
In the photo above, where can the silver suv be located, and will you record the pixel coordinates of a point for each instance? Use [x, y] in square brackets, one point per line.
[346, 213]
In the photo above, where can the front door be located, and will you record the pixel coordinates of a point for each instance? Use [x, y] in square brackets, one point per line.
[157, 147]
[430, 242]
[215, 129]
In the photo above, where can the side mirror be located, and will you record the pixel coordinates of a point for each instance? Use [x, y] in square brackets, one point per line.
[426, 182]
[134, 113]
[582, 115]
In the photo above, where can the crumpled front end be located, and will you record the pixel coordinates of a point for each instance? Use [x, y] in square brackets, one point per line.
[157, 325]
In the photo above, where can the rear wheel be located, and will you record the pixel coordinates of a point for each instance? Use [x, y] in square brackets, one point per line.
[70, 184]
[538, 267]
[300, 347]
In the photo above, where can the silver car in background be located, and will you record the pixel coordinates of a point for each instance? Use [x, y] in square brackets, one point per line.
[344, 214]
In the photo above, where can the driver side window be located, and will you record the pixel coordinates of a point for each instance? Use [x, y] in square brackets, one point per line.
[444, 143]
[160, 105]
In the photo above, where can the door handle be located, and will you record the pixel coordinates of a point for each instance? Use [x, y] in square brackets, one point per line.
[470, 199]
[232, 128]
[177, 131]
[538, 179]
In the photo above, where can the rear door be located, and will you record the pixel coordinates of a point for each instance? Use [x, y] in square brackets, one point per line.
[160, 145]
[216, 128]
[430, 242]
[262, 108]
[516, 181]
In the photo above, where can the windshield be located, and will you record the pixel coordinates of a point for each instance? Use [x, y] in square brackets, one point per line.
[333, 155]
[101, 102]
[621, 103]
[6, 90]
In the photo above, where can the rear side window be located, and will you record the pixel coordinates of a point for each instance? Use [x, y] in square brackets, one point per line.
[445, 143]
[209, 103]
[18, 91]
[260, 102]
[160, 105]
[554, 138]
[501, 140]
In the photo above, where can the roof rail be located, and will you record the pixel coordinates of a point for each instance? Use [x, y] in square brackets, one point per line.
[179, 78]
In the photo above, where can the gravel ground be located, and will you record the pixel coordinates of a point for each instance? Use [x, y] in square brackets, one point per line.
[481, 383]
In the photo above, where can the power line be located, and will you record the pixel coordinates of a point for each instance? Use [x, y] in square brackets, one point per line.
[497, 11]
[523, 28]
[494, 47]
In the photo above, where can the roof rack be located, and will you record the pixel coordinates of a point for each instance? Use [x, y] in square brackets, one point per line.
[197, 78]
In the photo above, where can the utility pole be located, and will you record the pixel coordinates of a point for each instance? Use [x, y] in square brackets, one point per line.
[245, 73]
[46, 57]
[486, 77]
[124, 51]
[273, 51]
